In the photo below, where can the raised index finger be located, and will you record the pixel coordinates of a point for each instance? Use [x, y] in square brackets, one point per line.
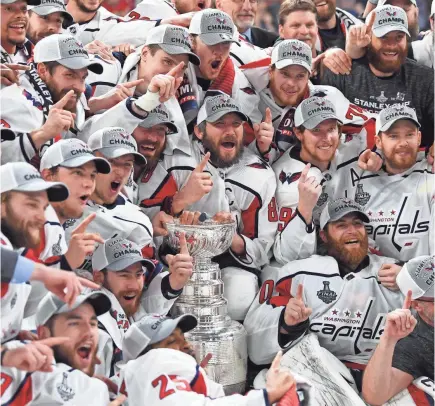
[268, 117]
[276, 361]
[371, 20]
[133, 83]
[201, 166]
[64, 100]
[17, 66]
[175, 72]
[53, 341]
[304, 173]
[300, 291]
[81, 228]
[183, 244]
[408, 300]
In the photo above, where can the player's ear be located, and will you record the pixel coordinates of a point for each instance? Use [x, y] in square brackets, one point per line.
[144, 53]
[281, 30]
[43, 332]
[99, 277]
[47, 174]
[42, 70]
[298, 133]
[378, 141]
[323, 236]
[419, 137]
[198, 132]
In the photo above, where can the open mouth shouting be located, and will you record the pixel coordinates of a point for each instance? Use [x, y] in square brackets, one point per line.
[352, 242]
[85, 354]
[115, 187]
[18, 27]
[147, 149]
[216, 63]
[201, 5]
[130, 297]
[84, 199]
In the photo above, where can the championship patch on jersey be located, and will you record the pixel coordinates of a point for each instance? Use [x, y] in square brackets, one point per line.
[64, 390]
[289, 177]
[29, 97]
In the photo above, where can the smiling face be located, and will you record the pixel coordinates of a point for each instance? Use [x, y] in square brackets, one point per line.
[108, 186]
[213, 57]
[301, 25]
[411, 13]
[14, 22]
[43, 26]
[242, 12]
[81, 185]
[388, 53]
[23, 215]
[126, 285]
[81, 326]
[186, 6]
[151, 142]
[399, 145]
[288, 85]
[176, 341]
[346, 240]
[319, 144]
[224, 140]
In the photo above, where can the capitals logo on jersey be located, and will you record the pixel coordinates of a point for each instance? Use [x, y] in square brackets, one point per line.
[29, 97]
[289, 178]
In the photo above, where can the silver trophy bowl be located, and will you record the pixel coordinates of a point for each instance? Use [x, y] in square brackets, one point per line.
[203, 296]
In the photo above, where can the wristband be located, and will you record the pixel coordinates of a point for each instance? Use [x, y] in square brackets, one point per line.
[3, 353]
[149, 101]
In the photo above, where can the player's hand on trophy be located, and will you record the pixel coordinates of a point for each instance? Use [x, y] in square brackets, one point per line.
[125, 48]
[370, 161]
[400, 322]
[180, 265]
[296, 312]
[309, 191]
[82, 243]
[264, 133]
[387, 276]
[278, 381]
[198, 185]
[190, 218]
[222, 217]
[159, 221]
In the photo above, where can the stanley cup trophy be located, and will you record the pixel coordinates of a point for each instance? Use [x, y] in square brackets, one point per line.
[203, 296]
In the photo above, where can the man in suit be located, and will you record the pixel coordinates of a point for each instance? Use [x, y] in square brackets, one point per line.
[243, 14]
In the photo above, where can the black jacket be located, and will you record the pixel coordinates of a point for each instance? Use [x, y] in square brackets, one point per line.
[263, 38]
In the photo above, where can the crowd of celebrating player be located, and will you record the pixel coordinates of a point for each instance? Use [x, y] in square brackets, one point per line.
[317, 142]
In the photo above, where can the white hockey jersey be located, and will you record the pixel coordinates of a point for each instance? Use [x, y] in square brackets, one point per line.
[111, 29]
[400, 207]
[348, 313]
[169, 377]
[65, 385]
[152, 10]
[354, 118]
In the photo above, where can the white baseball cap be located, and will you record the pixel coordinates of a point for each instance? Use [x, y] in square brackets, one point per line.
[213, 27]
[66, 50]
[159, 115]
[337, 209]
[114, 142]
[117, 253]
[291, 52]
[47, 7]
[23, 177]
[30, 2]
[314, 110]
[216, 106]
[389, 18]
[72, 153]
[387, 117]
[151, 330]
[173, 40]
[52, 305]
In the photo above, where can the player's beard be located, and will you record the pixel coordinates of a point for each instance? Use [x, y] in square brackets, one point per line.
[375, 58]
[215, 156]
[82, 7]
[394, 161]
[326, 16]
[351, 258]
[20, 233]
[62, 357]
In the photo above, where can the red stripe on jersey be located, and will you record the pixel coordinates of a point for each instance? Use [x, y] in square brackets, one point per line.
[4, 289]
[34, 254]
[355, 365]
[199, 385]
[250, 219]
[418, 396]
[167, 189]
[257, 64]
[370, 127]
[6, 381]
[24, 393]
[283, 288]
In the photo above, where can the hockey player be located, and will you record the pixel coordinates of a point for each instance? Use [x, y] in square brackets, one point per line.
[159, 341]
[338, 297]
[283, 82]
[305, 171]
[24, 200]
[120, 268]
[399, 198]
[49, 101]
[71, 376]
[46, 19]
[213, 32]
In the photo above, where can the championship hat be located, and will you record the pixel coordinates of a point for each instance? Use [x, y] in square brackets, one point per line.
[173, 40]
[23, 177]
[337, 209]
[71, 153]
[116, 254]
[29, 2]
[313, 111]
[389, 18]
[213, 27]
[159, 115]
[52, 305]
[291, 52]
[114, 142]
[66, 50]
[214, 107]
[47, 7]
[384, 2]
[387, 117]
[418, 276]
[151, 330]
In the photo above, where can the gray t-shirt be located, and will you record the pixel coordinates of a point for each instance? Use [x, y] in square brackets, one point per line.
[414, 353]
[413, 86]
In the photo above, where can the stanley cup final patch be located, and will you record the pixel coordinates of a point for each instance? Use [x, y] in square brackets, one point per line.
[326, 295]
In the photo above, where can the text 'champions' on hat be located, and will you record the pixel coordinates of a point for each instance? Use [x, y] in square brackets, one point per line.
[389, 18]
[159, 115]
[173, 40]
[23, 177]
[213, 27]
[114, 142]
[117, 254]
[313, 111]
[387, 117]
[47, 7]
[66, 50]
[214, 107]
[337, 209]
[291, 52]
[72, 153]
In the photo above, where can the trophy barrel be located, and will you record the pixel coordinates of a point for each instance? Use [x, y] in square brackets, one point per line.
[228, 365]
